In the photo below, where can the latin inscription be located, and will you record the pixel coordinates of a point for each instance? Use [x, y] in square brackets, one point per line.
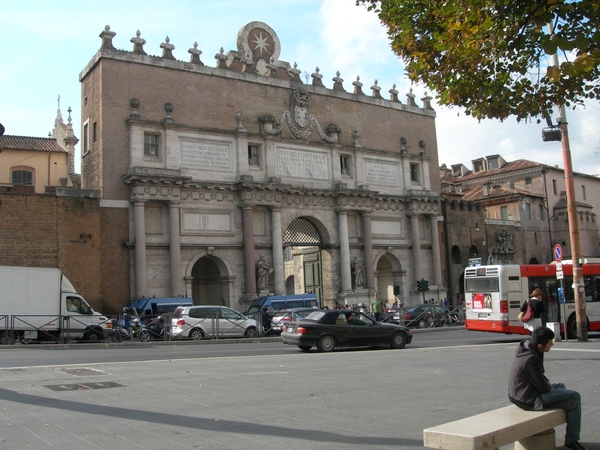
[381, 172]
[300, 164]
[205, 154]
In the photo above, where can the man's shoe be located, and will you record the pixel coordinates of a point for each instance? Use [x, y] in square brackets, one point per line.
[575, 446]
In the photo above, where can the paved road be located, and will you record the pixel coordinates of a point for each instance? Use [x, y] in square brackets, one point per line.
[128, 351]
[344, 400]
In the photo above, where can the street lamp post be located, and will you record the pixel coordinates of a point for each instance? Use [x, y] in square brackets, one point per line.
[578, 286]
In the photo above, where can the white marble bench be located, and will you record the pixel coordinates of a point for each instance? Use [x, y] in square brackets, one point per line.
[530, 430]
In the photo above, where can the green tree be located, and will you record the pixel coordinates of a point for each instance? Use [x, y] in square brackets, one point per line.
[492, 57]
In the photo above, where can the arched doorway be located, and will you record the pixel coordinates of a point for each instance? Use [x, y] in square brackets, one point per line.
[389, 274]
[302, 250]
[210, 282]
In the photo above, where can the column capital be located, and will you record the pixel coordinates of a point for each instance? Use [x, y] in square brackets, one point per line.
[174, 203]
[276, 208]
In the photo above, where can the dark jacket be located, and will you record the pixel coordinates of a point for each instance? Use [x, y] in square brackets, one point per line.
[537, 306]
[538, 309]
[526, 380]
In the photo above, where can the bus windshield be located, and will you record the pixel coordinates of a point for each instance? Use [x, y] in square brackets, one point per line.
[481, 285]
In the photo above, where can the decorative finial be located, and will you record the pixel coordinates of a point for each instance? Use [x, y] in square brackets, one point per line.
[195, 52]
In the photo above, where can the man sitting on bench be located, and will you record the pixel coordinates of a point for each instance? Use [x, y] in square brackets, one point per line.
[529, 389]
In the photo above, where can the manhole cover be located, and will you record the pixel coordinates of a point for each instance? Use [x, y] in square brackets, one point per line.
[83, 386]
[82, 372]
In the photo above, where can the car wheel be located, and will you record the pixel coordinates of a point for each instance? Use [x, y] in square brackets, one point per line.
[304, 348]
[250, 332]
[196, 334]
[326, 344]
[144, 336]
[398, 340]
[423, 323]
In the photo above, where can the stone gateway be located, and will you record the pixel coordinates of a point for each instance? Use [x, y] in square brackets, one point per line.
[202, 169]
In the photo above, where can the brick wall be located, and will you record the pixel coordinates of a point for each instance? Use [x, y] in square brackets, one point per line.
[39, 230]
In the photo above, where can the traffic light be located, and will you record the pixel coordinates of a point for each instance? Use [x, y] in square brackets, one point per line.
[396, 289]
[419, 286]
[425, 285]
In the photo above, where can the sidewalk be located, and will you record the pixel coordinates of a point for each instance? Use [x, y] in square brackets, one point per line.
[354, 399]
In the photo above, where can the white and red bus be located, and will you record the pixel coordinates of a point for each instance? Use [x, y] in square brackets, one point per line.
[494, 295]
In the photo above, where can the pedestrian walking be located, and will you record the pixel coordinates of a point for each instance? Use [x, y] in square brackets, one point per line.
[377, 307]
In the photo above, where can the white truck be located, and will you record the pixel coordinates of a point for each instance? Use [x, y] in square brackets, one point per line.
[39, 304]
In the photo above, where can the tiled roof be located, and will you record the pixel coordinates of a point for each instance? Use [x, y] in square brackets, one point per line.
[512, 166]
[30, 143]
[476, 193]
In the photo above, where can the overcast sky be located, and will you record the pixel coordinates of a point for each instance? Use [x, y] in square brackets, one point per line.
[45, 45]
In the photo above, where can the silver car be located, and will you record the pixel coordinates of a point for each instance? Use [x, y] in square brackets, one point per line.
[289, 315]
[197, 322]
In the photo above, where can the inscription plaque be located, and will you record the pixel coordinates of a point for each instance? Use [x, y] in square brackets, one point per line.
[208, 154]
[301, 164]
[377, 172]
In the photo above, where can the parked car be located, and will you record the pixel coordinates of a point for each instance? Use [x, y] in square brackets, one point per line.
[147, 309]
[288, 315]
[343, 328]
[197, 322]
[424, 316]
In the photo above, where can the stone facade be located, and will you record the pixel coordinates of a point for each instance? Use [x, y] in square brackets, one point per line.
[204, 169]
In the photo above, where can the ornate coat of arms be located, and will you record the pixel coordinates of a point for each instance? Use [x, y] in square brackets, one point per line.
[300, 106]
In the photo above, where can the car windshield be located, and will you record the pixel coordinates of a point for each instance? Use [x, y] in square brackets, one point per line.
[256, 306]
[317, 315]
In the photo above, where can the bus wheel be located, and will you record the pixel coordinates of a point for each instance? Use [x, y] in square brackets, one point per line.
[572, 327]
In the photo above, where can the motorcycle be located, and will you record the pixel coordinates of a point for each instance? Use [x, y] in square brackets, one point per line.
[156, 329]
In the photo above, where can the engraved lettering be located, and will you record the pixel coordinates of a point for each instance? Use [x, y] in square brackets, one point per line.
[301, 164]
[203, 154]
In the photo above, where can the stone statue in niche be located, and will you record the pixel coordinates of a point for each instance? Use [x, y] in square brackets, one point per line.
[263, 270]
[357, 270]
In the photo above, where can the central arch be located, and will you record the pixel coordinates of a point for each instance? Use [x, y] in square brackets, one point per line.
[302, 243]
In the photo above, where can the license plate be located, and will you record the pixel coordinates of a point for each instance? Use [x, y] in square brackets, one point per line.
[482, 316]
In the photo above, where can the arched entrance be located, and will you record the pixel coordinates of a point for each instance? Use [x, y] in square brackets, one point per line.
[389, 274]
[210, 282]
[302, 250]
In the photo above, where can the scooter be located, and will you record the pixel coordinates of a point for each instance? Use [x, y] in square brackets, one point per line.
[154, 330]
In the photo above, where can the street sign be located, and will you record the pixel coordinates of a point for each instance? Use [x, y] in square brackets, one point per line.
[559, 275]
[558, 253]
[558, 267]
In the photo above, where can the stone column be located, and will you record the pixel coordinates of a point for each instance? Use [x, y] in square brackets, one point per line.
[344, 251]
[416, 245]
[368, 249]
[277, 240]
[249, 266]
[435, 250]
[139, 220]
[174, 249]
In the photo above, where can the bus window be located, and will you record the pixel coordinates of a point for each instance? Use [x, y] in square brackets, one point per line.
[588, 288]
[597, 297]
[481, 285]
[551, 300]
